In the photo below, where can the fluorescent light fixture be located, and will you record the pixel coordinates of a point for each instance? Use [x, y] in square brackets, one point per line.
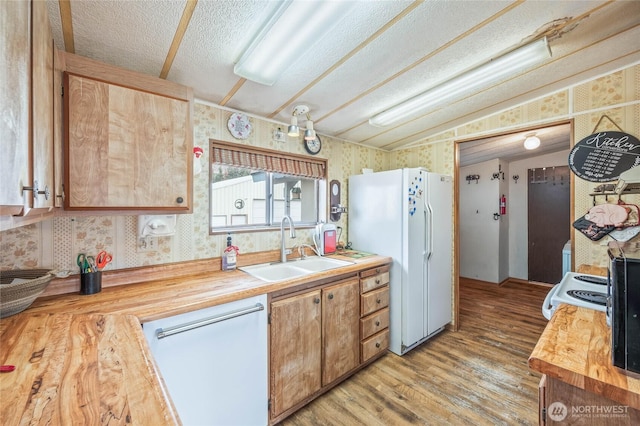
[532, 142]
[464, 84]
[288, 33]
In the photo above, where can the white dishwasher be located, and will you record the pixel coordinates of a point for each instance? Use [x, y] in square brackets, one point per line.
[214, 362]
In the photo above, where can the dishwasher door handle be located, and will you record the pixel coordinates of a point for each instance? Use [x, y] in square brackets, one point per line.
[161, 333]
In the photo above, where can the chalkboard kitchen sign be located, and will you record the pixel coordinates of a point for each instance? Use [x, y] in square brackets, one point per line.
[602, 156]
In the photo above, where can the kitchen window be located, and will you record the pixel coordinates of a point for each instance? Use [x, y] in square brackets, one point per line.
[254, 188]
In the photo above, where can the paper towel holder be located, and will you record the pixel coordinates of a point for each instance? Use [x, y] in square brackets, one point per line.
[157, 225]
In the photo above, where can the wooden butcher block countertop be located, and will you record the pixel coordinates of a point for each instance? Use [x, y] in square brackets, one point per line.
[81, 370]
[575, 348]
[83, 359]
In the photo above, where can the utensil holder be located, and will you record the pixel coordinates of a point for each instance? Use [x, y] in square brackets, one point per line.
[91, 282]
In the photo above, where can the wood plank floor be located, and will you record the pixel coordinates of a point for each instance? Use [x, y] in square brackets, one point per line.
[476, 376]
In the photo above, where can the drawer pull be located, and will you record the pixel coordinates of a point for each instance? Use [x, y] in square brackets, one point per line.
[377, 270]
[316, 300]
[377, 323]
[377, 280]
[378, 345]
[378, 301]
[330, 295]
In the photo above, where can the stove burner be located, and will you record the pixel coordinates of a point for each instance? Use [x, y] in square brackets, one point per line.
[589, 296]
[592, 280]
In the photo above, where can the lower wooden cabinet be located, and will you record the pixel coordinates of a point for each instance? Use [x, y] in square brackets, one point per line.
[314, 342]
[296, 350]
[340, 331]
[564, 404]
[374, 311]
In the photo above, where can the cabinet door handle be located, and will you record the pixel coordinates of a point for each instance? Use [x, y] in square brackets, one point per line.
[377, 323]
[179, 200]
[316, 300]
[330, 295]
[36, 190]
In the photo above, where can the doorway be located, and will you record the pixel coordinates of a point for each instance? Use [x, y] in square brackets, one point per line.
[549, 221]
[508, 147]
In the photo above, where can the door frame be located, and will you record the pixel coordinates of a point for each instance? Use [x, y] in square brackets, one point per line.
[456, 202]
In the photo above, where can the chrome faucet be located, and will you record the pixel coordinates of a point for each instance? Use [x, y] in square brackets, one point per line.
[292, 233]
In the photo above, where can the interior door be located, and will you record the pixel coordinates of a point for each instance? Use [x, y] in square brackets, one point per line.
[549, 222]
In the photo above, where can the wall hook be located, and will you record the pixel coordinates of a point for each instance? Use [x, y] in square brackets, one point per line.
[473, 177]
[515, 178]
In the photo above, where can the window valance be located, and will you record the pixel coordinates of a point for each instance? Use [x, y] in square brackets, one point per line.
[270, 161]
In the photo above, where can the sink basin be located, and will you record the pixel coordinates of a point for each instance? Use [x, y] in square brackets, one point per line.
[271, 272]
[318, 263]
[274, 271]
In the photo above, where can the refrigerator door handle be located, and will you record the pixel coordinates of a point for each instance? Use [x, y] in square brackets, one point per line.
[430, 227]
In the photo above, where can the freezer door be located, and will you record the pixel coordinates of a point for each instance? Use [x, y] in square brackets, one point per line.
[439, 269]
[414, 289]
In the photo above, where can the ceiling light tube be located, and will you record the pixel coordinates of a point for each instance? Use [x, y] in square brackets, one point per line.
[464, 84]
[288, 33]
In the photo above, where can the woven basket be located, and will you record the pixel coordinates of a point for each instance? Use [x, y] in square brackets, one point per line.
[15, 298]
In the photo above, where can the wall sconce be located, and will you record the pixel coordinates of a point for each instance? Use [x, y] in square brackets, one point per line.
[334, 200]
[473, 177]
[293, 130]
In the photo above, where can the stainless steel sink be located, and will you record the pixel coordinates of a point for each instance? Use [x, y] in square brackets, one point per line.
[271, 272]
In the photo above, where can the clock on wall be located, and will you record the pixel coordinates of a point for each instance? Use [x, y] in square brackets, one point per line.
[239, 125]
[313, 146]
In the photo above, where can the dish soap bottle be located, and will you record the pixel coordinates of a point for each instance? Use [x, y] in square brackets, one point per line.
[229, 257]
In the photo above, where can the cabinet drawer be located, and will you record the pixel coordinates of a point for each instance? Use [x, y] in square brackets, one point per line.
[373, 323]
[373, 282]
[374, 345]
[374, 300]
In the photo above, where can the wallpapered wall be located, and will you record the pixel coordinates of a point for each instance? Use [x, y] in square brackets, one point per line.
[616, 95]
[55, 243]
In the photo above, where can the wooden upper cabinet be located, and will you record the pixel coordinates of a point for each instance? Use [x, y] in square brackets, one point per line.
[128, 140]
[26, 105]
[42, 110]
[15, 83]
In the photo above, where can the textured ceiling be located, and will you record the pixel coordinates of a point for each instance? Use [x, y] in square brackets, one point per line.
[380, 53]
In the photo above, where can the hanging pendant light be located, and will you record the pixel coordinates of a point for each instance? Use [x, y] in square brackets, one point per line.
[293, 130]
[309, 134]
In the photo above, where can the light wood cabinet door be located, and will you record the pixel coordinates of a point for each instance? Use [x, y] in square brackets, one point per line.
[340, 329]
[15, 82]
[295, 343]
[125, 149]
[42, 111]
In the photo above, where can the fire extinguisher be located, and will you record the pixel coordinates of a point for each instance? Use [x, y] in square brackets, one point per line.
[503, 205]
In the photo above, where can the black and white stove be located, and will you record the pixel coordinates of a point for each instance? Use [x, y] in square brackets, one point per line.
[587, 291]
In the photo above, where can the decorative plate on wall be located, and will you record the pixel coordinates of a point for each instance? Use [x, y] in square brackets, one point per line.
[239, 125]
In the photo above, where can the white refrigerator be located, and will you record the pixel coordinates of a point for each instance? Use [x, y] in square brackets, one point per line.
[407, 214]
